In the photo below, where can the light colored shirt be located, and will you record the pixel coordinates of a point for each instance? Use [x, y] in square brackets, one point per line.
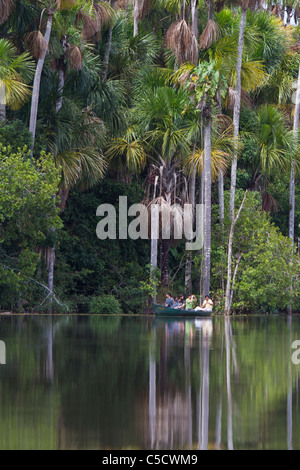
[207, 304]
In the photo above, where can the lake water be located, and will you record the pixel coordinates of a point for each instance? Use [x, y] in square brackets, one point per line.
[117, 382]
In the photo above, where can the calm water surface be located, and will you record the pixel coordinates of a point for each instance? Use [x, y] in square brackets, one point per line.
[94, 382]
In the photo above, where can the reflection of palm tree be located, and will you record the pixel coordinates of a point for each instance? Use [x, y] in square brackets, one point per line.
[228, 382]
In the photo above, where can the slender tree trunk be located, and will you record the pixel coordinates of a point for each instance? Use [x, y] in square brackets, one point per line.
[154, 236]
[207, 208]
[189, 260]
[230, 285]
[51, 260]
[135, 14]
[237, 108]
[37, 82]
[106, 56]
[61, 84]
[107, 50]
[292, 176]
[2, 112]
[165, 245]
[221, 196]
[152, 391]
[188, 284]
[205, 394]
[194, 18]
[228, 384]
[2, 101]
[183, 10]
[211, 10]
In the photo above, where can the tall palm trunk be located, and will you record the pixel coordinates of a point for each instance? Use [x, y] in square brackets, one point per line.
[107, 51]
[292, 176]
[194, 12]
[165, 246]
[237, 108]
[106, 56]
[61, 84]
[154, 237]
[207, 203]
[2, 112]
[135, 14]
[189, 260]
[37, 82]
[221, 196]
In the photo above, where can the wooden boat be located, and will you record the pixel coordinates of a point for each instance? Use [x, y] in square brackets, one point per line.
[162, 311]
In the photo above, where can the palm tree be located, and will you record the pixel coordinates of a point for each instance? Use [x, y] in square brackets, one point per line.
[276, 150]
[157, 130]
[77, 151]
[38, 44]
[39, 49]
[181, 40]
[205, 84]
[15, 72]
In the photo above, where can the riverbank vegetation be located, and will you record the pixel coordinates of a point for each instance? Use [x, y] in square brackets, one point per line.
[165, 102]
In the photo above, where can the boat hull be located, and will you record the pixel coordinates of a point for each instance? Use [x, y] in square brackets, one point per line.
[162, 311]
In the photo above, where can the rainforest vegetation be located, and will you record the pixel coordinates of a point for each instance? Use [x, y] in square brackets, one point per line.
[167, 102]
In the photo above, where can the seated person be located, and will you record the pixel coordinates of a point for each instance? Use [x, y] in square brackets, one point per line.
[207, 305]
[169, 301]
[191, 302]
[181, 302]
[176, 302]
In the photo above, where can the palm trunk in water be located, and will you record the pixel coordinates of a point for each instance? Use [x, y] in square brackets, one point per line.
[237, 108]
[37, 82]
[207, 208]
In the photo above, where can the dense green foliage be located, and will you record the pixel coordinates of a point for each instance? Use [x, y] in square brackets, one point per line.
[120, 112]
[28, 212]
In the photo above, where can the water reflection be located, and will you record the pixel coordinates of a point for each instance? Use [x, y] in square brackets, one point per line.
[145, 383]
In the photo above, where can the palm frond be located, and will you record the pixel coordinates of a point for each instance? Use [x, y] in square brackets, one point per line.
[36, 44]
[210, 34]
[180, 39]
[84, 167]
[126, 154]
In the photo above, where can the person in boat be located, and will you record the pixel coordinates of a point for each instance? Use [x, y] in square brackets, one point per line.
[181, 302]
[169, 300]
[207, 305]
[176, 302]
[191, 302]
